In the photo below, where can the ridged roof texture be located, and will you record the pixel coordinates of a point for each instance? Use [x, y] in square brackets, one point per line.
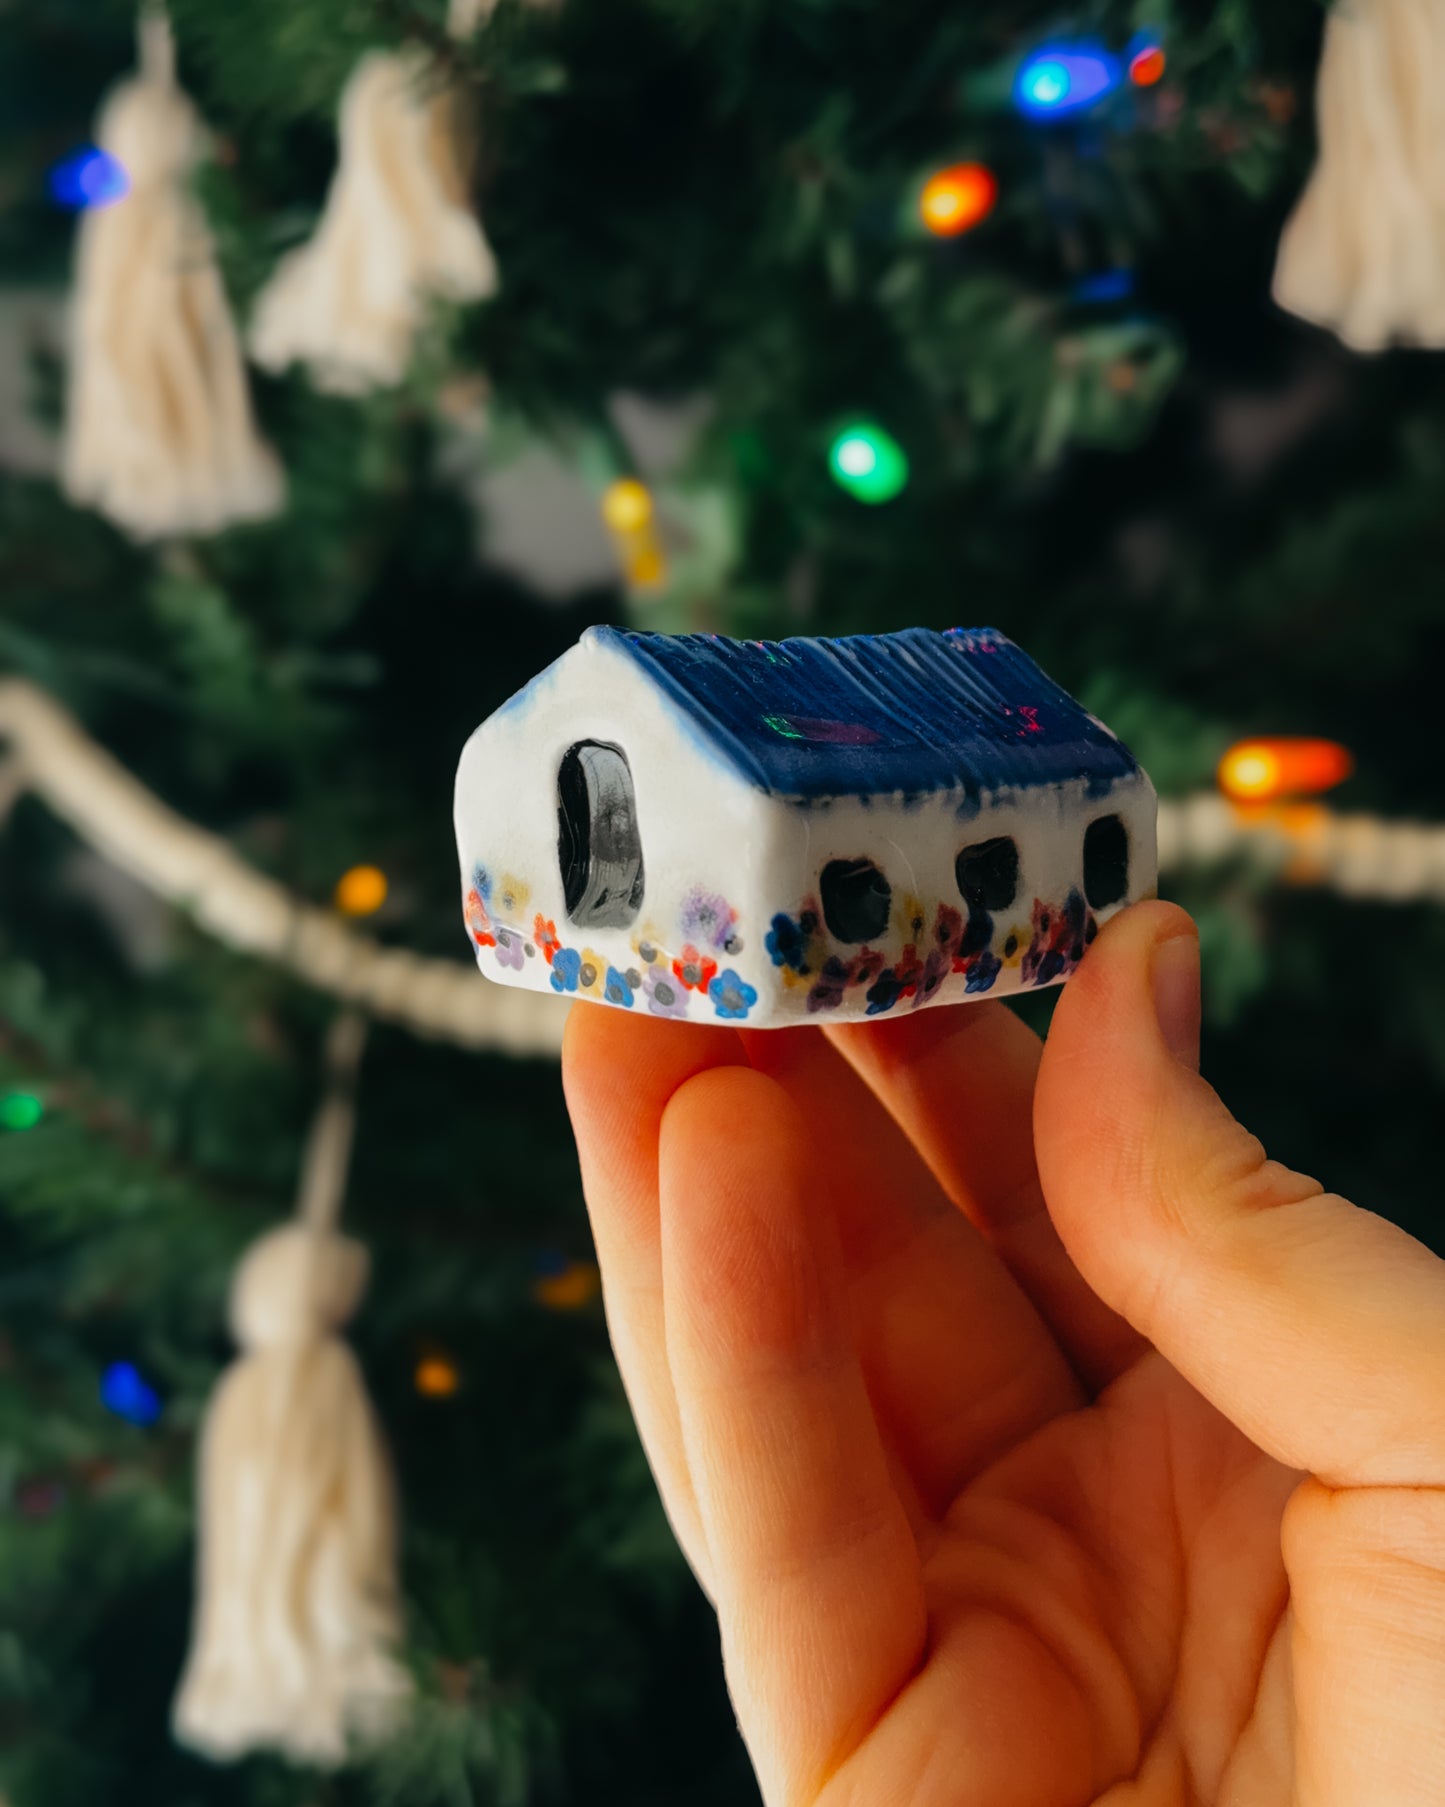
[879, 714]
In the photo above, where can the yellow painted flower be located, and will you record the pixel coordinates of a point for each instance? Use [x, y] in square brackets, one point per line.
[647, 945]
[592, 976]
[1014, 944]
[908, 917]
[512, 895]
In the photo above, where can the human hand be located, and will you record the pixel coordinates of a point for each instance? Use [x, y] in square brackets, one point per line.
[971, 1536]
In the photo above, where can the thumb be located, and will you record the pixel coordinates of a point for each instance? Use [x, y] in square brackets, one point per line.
[1317, 1327]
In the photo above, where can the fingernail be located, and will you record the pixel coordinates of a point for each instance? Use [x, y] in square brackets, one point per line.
[1176, 997]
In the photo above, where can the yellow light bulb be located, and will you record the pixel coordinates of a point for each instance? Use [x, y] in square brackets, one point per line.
[1248, 772]
[626, 505]
[361, 891]
[1285, 766]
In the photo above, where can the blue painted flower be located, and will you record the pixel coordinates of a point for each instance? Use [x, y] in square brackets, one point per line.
[482, 883]
[983, 972]
[884, 992]
[618, 990]
[566, 966]
[665, 996]
[787, 942]
[731, 995]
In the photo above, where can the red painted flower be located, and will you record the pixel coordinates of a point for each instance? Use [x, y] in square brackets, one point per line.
[474, 913]
[544, 933]
[694, 970]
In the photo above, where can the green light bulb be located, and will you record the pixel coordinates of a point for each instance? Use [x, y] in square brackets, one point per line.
[18, 1110]
[867, 462]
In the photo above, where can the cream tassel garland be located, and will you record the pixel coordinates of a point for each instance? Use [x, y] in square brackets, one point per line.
[395, 234]
[159, 432]
[1364, 251]
[297, 1613]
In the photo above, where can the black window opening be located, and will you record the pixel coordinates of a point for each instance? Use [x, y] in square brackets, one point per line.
[599, 848]
[988, 874]
[1106, 862]
[856, 900]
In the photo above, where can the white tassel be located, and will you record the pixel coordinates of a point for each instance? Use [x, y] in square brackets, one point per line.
[395, 234]
[1364, 251]
[297, 1613]
[159, 432]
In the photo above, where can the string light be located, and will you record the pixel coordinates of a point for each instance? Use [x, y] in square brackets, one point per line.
[1105, 286]
[1064, 78]
[20, 1110]
[957, 198]
[436, 1377]
[361, 891]
[867, 462]
[1146, 65]
[126, 1392]
[89, 177]
[1260, 771]
[626, 505]
[568, 1289]
[630, 516]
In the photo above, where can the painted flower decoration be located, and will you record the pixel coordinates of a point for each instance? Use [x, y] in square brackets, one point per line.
[732, 996]
[985, 969]
[830, 985]
[566, 969]
[474, 914]
[665, 997]
[544, 933]
[1059, 939]
[509, 949]
[788, 940]
[948, 930]
[618, 990]
[883, 993]
[909, 916]
[694, 970]
[936, 969]
[512, 894]
[592, 974]
[708, 919]
[1012, 947]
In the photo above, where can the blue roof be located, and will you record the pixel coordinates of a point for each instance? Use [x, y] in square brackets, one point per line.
[877, 714]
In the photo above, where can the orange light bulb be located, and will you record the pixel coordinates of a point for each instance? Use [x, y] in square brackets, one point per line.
[436, 1377]
[957, 198]
[1260, 771]
[569, 1290]
[361, 891]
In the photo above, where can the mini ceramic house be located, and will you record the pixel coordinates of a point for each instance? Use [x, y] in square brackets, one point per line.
[775, 833]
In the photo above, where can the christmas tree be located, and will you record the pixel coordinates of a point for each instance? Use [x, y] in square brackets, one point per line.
[812, 317]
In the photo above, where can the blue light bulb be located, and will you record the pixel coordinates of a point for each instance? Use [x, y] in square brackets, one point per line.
[1060, 79]
[1108, 285]
[1046, 84]
[125, 1391]
[89, 177]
